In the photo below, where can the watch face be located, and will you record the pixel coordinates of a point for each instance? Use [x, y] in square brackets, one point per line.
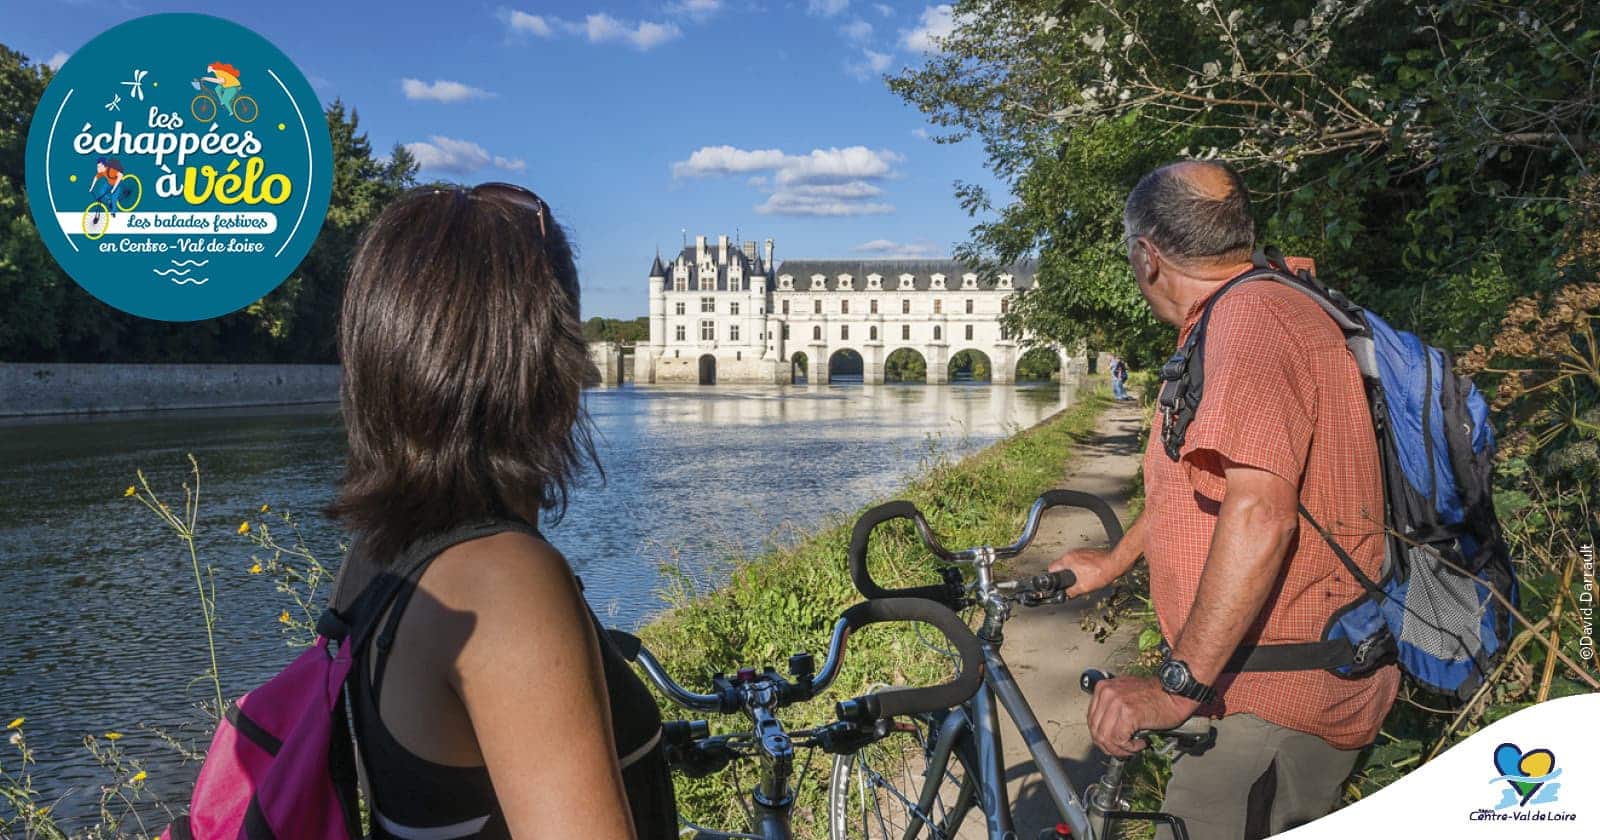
[1172, 675]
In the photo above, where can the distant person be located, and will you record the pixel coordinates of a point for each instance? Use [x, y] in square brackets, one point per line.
[1119, 379]
[491, 705]
[1284, 422]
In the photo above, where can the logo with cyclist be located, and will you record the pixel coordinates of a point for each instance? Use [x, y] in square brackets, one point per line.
[205, 158]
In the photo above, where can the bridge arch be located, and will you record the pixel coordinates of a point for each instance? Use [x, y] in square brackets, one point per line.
[905, 364]
[708, 369]
[1039, 364]
[846, 365]
[970, 365]
[799, 368]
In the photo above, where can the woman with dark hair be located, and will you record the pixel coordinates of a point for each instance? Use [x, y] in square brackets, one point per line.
[490, 703]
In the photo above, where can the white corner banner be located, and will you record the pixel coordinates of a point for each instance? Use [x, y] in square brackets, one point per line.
[1535, 773]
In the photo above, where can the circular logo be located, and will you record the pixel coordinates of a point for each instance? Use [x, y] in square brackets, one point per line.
[179, 167]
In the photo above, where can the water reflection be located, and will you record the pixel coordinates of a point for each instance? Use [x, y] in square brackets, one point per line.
[103, 630]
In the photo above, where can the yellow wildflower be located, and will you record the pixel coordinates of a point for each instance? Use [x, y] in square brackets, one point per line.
[244, 528]
[16, 723]
[128, 492]
[284, 617]
[255, 569]
[263, 507]
[139, 777]
[113, 736]
[43, 810]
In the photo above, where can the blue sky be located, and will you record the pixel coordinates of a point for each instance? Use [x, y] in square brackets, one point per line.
[635, 120]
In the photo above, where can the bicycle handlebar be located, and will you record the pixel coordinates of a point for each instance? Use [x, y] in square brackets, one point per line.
[881, 704]
[951, 594]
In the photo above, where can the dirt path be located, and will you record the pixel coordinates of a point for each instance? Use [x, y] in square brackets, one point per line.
[1046, 648]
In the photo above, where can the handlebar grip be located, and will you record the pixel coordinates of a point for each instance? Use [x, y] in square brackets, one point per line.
[1092, 677]
[1051, 582]
[906, 701]
[860, 536]
[1089, 502]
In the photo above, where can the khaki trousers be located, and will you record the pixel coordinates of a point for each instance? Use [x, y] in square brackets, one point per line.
[1260, 779]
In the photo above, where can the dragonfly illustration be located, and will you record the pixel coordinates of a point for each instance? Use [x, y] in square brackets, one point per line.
[115, 104]
[137, 84]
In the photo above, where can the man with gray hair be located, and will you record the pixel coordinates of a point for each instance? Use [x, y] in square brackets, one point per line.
[1284, 423]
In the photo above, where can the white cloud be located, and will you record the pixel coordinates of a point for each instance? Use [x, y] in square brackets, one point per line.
[937, 22]
[699, 10]
[601, 28]
[856, 30]
[459, 157]
[521, 21]
[55, 61]
[826, 8]
[890, 249]
[920, 133]
[884, 9]
[822, 182]
[871, 65]
[441, 90]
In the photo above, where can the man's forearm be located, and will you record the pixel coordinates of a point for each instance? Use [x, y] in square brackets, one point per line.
[1131, 547]
[1254, 527]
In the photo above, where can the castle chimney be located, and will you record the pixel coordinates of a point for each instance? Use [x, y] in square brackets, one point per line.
[722, 249]
[769, 254]
[750, 250]
[699, 250]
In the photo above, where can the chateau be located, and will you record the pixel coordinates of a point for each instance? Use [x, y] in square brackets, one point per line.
[724, 313]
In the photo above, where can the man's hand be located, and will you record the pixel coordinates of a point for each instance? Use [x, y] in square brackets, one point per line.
[1125, 705]
[1095, 568]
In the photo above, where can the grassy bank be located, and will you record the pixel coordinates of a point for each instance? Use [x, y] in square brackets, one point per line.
[788, 599]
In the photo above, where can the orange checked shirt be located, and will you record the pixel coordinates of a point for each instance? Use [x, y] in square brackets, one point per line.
[1282, 394]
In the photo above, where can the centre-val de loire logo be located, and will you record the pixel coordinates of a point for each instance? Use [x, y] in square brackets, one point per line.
[1526, 779]
[179, 167]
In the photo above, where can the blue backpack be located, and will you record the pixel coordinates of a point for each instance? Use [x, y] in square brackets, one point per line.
[1439, 605]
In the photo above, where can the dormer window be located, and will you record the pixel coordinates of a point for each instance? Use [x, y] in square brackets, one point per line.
[969, 281]
[818, 282]
[845, 281]
[938, 281]
[1005, 282]
[786, 281]
[874, 281]
[907, 281]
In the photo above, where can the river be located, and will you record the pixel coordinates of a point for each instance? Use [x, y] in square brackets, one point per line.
[103, 631]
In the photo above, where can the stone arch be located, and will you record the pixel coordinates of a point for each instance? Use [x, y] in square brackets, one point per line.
[708, 369]
[799, 369]
[1039, 364]
[906, 364]
[970, 365]
[846, 365]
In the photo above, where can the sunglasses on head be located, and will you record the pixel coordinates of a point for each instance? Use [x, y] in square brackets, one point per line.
[504, 192]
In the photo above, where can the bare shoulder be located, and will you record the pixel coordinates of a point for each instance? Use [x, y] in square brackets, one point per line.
[510, 568]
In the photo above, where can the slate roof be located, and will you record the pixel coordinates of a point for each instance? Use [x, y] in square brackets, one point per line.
[922, 272]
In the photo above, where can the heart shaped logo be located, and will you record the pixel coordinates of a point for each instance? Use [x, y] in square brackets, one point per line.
[1524, 768]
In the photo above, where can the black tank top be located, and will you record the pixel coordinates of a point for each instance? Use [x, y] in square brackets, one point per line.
[417, 799]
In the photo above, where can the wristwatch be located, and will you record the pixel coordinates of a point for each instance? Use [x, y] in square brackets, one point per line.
[1176, 678]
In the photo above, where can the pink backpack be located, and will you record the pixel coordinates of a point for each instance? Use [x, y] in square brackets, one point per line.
[282, 764]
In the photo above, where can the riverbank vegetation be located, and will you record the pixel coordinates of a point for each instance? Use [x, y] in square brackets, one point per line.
[1436, 159]
[787, 600]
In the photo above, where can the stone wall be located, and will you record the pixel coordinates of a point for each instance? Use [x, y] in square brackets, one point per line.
[35, 389]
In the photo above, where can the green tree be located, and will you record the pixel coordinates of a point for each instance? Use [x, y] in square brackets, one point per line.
[1422, 153]
[905, 365]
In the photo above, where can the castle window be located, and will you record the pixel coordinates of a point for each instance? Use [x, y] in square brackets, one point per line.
[905, 332]
[1005, 304]
[872, 333]
[905, 306]
[785, 332]
[786, 307]
[938, 305]
[680, 283]
[708, 304]
[969, 281]
[969, 306]
[844, 332]
[708, 330]
[873, 305]
[938, 281]
[969, 332]
[936, 332]
[816, 307]
[845, 281]
[733, 283]
[844, 306]
[733, 332]
[907, 281]
[678, 307]
[733, 307]
[816, 333]
[708, 279]
[681, 333]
